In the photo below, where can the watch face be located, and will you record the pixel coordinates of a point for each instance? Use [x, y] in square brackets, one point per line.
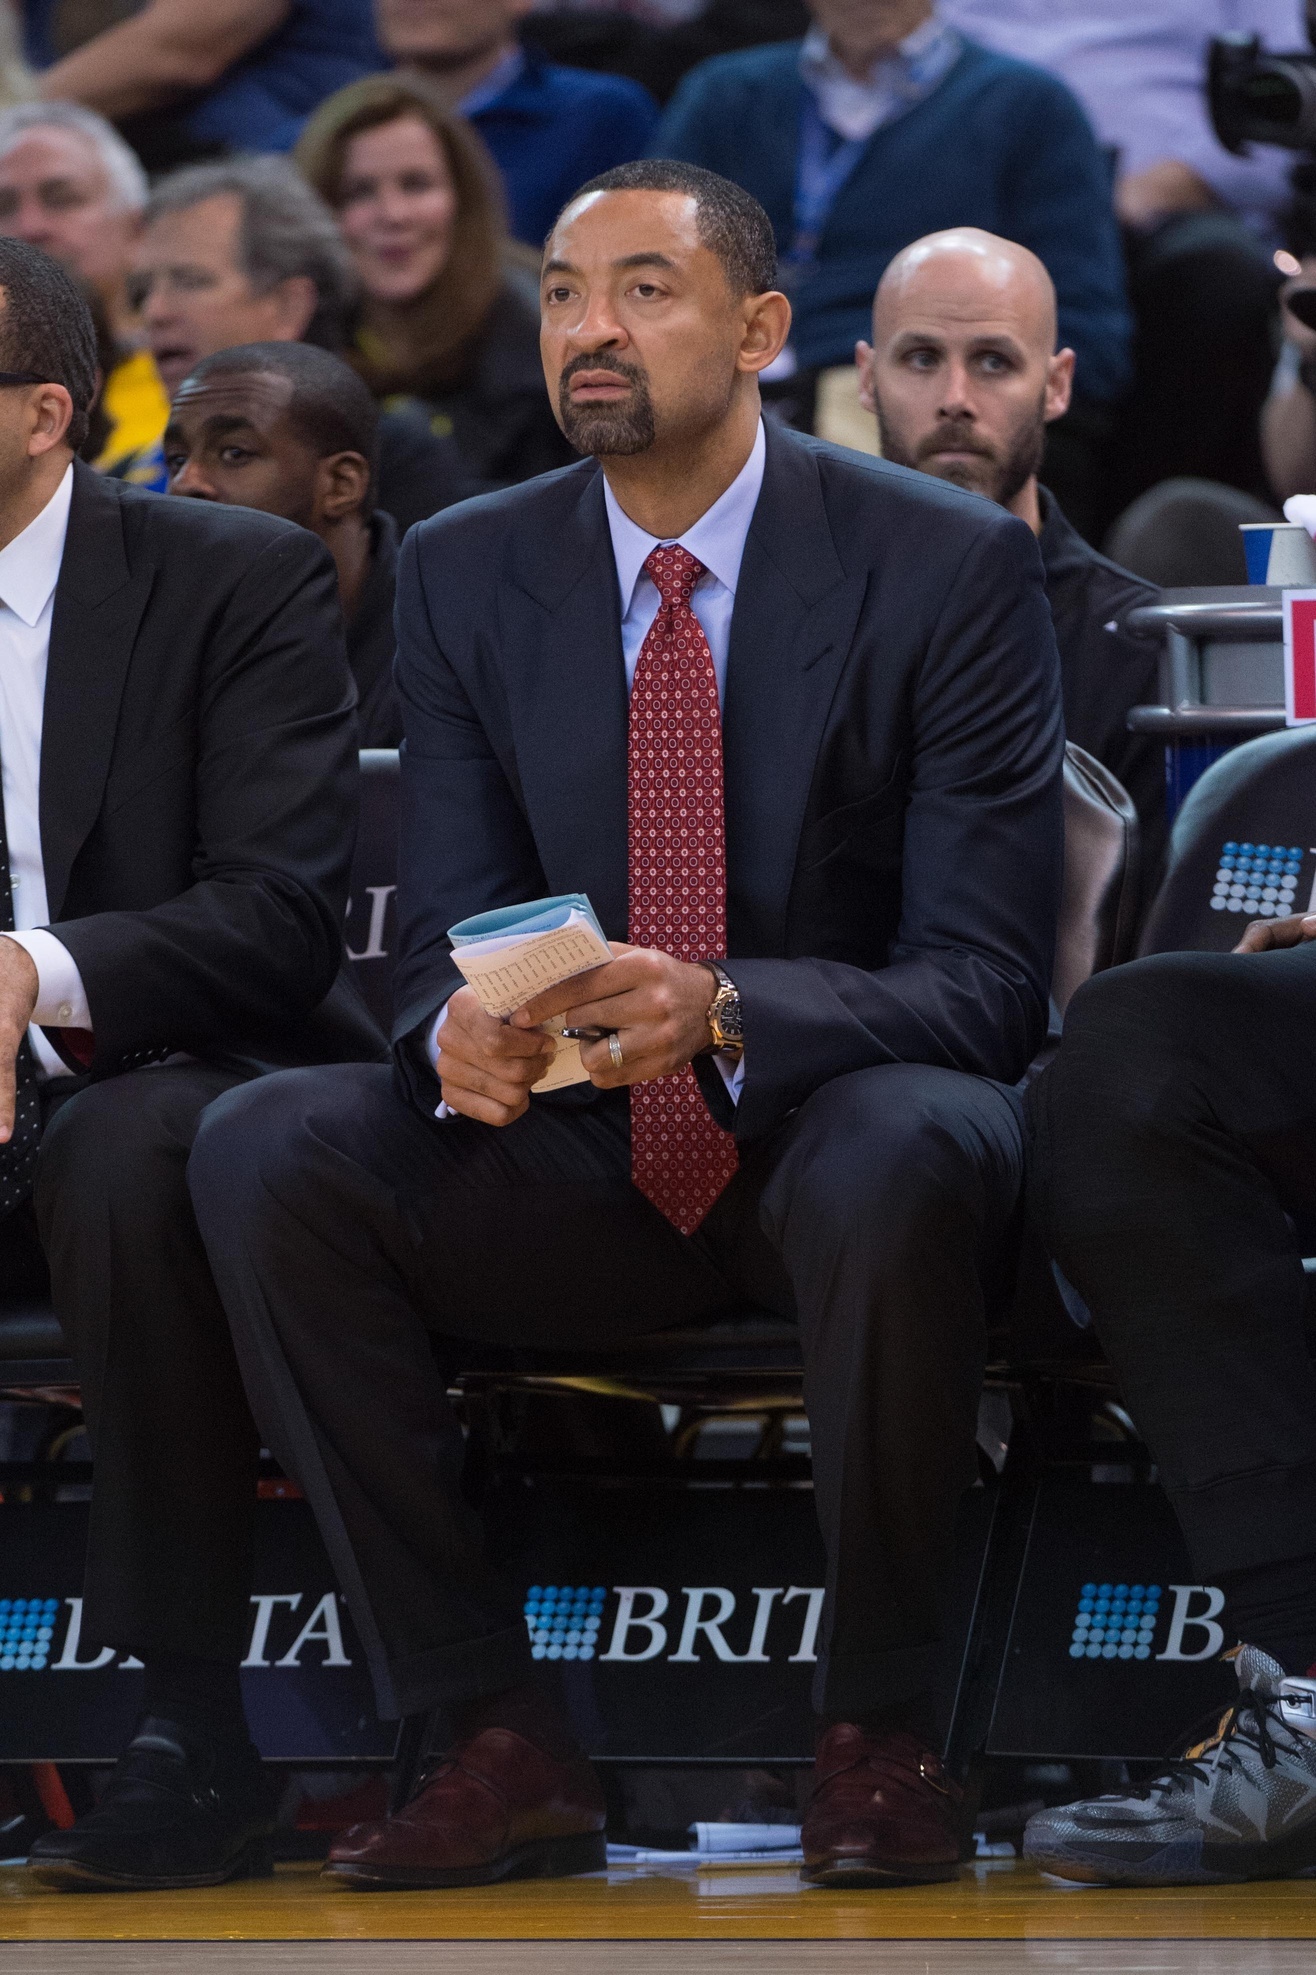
[729, 1018]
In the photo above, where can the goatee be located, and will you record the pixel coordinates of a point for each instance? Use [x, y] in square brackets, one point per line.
[607, 430]
[998, 476]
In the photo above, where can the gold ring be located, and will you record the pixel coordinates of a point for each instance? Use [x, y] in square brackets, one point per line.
[614, 1050]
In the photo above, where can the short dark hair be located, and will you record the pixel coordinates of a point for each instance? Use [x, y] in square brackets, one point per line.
[331, 409]
[46, 327]
[732, 224]
[285, 230]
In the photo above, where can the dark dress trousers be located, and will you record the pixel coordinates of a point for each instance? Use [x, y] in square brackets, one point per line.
[197, 811]
[1174, 1180]
[892, 744]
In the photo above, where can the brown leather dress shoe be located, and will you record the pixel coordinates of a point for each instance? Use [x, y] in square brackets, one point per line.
[883, 1812]
[496, 1807]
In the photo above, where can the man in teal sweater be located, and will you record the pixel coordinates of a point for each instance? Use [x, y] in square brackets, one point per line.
[884, 124]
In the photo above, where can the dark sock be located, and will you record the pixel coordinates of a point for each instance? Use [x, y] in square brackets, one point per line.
[1274, 1606]
[203, 1696]
[527, 1710]
[914, 1716]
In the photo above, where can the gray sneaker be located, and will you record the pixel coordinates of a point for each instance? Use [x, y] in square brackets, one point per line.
[1242, 1805]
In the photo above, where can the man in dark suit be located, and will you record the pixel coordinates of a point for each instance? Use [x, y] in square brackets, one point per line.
[179, 783]
[823, 830]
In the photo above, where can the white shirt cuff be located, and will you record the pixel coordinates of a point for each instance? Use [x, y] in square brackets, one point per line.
[441, 1110]
[731, 1069]
[61, 997]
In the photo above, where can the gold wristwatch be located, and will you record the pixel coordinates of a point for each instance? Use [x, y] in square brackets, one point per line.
[725, 1022]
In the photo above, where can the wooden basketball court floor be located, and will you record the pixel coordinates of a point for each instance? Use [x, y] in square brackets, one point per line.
[998, 1918]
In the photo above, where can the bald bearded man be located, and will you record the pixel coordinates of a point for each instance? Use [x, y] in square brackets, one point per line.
[964, 376]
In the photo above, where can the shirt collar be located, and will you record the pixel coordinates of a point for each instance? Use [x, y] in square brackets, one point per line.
[509, 70]
[29, 566]
[717, 539]
[915, 65]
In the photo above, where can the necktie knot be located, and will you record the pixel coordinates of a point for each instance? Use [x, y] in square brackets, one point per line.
[674, 572]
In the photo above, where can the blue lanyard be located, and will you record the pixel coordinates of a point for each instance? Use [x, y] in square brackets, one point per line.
[825, 163]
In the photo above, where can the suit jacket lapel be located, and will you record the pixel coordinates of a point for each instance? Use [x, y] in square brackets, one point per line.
[98, 607]
[790, 634]
[567, 690]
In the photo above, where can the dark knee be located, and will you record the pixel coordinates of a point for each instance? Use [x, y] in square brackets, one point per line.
[101, 1144]
[248, 1132]
[882, 1151]
[1144, 1015]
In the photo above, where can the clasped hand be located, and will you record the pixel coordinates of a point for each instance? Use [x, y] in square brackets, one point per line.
[18, 998]
[658, 1008]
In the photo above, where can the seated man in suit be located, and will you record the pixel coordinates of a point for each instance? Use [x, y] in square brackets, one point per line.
[179, 799]
[964, 376]
[791, 718]
[291, 430]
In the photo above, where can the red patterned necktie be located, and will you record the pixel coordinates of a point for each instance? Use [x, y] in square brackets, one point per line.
[680, 1159]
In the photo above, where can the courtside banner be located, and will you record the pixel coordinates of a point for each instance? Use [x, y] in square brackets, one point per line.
[1299, 657]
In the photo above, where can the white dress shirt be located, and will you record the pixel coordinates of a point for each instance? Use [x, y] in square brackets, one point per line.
[29, 572]
[717, 540]
[854, 109]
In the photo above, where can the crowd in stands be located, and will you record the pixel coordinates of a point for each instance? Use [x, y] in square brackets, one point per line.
[375, 177]
[996, 242]
[443, 136]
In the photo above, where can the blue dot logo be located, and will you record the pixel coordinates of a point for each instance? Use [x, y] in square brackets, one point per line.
[1115, 1621]
[564, 1620]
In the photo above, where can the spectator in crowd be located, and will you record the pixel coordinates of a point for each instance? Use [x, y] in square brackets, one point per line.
[1174, 1181]
[171, 909]
[873, 839]
[187, 78]
[964, 375]
[1199, 223]
[884, 125]
[71, 186]
[244, 252]
[448, 316]
[548, 127]
[291, 430]
[656, 42]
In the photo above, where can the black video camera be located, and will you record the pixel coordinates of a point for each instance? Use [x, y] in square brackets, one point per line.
[1258, 98]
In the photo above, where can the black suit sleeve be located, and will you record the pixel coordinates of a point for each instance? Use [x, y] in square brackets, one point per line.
[969, 975]
[255, 942]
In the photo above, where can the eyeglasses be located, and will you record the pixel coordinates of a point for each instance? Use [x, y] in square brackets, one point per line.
[23, 377]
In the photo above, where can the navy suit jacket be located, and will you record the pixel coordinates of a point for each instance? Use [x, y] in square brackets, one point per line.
[893, 746]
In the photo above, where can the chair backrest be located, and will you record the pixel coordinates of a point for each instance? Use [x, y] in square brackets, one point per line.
[1239, 847]
[372, 901]
[1098, 907]
[1183, 533]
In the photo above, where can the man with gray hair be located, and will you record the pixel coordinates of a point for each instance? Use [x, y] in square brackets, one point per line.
[243, 251]
[71, 186]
